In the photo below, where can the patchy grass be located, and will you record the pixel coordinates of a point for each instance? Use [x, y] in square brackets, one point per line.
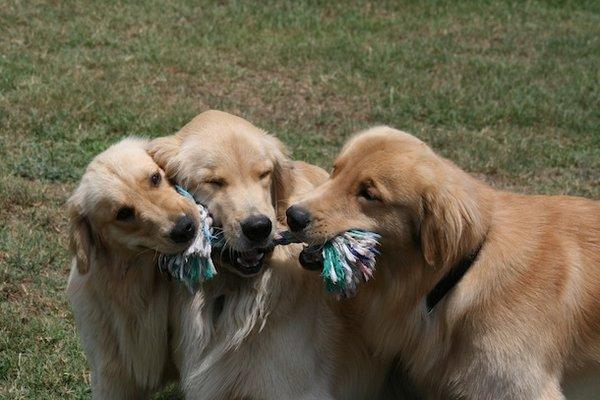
[507, 90]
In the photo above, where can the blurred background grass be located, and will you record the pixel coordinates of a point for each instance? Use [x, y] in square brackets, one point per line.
[508, 90]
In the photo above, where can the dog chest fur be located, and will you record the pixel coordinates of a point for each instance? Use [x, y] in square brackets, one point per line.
[125, 334]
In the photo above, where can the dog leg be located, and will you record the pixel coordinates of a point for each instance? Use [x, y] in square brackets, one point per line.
[107, 386]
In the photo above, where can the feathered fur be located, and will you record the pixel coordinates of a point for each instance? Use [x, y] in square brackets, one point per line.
[275, 335]
[523, 323]
[119, 301]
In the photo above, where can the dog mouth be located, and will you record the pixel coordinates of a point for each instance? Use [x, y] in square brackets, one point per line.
[245, 263]
[311, 257]
[165, 246]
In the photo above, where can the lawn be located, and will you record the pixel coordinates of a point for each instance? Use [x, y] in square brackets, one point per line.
[510, 91]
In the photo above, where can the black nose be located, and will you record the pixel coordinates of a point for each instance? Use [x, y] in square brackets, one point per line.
[184, 230]
[257, 227]
[297, 218]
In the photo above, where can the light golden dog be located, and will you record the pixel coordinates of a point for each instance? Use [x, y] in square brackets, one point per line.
[121, 214]
[263, 328]
[483, 294]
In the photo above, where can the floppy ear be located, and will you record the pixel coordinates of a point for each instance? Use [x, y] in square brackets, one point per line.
[449, 225]
[164, 151]
[283, 181]
[80, 236]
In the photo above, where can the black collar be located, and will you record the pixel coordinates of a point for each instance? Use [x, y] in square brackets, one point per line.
[451, 279]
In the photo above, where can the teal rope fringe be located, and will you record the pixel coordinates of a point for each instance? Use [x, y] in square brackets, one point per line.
[194, 265]
[348, 260]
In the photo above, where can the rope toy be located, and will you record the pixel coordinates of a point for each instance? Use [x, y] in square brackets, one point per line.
[348, 259]
[193, 265]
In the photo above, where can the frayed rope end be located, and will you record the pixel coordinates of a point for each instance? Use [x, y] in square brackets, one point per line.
[194, 265]
[348, 260]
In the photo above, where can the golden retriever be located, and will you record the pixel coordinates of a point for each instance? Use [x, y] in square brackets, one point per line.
[121, 214]
[263, 328]
[483, 294]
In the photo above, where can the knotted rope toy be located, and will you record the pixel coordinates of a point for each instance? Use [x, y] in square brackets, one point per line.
[348, 259]
[193, 265]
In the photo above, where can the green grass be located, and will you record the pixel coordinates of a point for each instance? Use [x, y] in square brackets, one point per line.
[507, 90]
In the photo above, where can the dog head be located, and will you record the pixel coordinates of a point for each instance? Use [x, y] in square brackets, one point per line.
[390, 182]
[240, 173]
[125, 206]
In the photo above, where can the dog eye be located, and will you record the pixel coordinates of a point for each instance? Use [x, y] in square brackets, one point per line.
[264, 174]
[218, 182]
[155, 179]
[367, 194]
[125, 214]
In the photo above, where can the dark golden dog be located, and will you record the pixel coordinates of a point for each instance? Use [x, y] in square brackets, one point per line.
[483, 294]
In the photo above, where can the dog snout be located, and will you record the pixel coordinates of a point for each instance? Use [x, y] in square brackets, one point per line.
[297, 218]
[184, 230]
[256, 227]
